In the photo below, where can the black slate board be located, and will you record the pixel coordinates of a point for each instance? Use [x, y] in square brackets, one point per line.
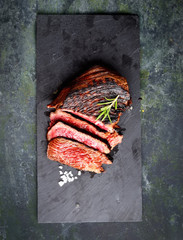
[66, 46]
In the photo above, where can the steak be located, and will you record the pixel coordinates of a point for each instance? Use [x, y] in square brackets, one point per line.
[76, 155]
[59, 115]
[63, 130]
[76, 136]
[84, 93]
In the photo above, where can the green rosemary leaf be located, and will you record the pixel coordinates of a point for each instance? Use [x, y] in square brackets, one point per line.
[106, 109]
[108, 99]
[103, 103]
[104, 116]
[116, 104]
[100, 115]
[109, 118]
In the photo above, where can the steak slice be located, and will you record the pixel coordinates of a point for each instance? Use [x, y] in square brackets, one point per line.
[63, 130]
[85, 92]
[76, 155]
[91, 119]
[112, 138]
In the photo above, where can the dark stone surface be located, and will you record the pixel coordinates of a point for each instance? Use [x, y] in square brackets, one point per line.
[162, 117]
[67, 45]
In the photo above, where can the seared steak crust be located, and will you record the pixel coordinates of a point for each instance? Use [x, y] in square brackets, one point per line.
[91, 88]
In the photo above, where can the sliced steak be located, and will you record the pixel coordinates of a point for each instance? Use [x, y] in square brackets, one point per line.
[63, 130]
[76, 155]
[76, 138]
[91, 119]
[112, 138]
[85, 92]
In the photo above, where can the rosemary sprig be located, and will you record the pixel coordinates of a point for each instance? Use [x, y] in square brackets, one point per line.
[105, 111]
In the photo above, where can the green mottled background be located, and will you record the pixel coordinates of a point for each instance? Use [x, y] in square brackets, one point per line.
[161, 34]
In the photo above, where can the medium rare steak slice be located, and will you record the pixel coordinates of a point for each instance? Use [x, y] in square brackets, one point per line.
[98, 123]
[85, 92]
[63, 130]
[112, 138]
[76, 155]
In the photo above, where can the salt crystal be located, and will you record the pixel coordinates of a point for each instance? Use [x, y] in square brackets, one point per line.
[61, 183]
[64, 178]
[70, 173]
[71, 179]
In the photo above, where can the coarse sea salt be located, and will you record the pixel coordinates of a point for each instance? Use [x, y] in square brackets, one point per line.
[67, 176]
[61, 183]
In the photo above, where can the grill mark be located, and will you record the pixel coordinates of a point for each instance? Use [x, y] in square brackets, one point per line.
[90, 99]
[94, 110]
[102, 87]
[97, 86]
[93, 98]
